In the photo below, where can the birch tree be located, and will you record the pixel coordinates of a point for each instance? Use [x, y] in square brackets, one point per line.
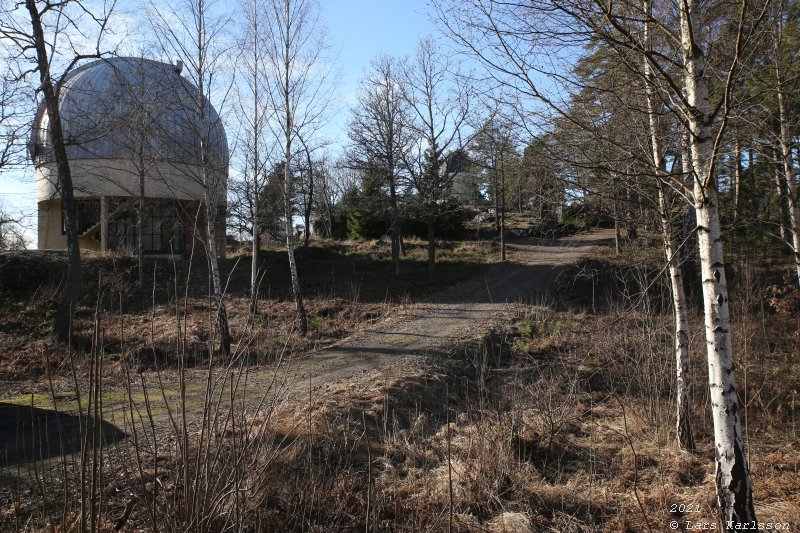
[42, 35]
[496, 35]
[683, 424]
[439, 108]
[706, 123]
[734, 493]
[194, 31]
[299, 90]
[781, 85]
[493, 147]
[379, 136]
[254, 115]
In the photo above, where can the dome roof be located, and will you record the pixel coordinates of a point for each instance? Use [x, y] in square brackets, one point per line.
[117, 107]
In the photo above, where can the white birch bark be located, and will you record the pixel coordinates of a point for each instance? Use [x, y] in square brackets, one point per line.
[734, 494]
[683, 413]
[211, 182]
[213, 264]
[211, 179]
[302, 319]
[791, 184]
[256, 153]
[786, 148]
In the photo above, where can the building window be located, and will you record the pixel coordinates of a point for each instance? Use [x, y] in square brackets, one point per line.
[87, 214]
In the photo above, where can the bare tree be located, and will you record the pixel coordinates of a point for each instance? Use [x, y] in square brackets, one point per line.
[12, 231]
[42, 33]
[493, 148]
[679, 305]
[379, 136]
[781, 85]
[507, 44]
[333, 182]
[254, 116]
[310, 170]
[299, 89]
[439, 109]
[193, 31]
[145, 97]
[734, 493]
[12, 120]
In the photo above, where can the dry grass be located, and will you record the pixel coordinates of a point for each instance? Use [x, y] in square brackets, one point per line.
[570, 433]
[547, 426]
[562, 421]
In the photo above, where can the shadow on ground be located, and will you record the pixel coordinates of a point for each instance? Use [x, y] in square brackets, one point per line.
[29, 433]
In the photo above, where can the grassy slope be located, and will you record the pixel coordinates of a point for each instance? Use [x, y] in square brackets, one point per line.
[345, 284]
[560, 421]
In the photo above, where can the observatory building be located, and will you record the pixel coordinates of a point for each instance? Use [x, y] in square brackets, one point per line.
[134, 133]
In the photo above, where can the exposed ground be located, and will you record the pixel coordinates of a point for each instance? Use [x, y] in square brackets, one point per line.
[466, 312]
[533, 397]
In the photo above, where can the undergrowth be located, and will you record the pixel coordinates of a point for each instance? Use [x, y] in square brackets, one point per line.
[562, 420]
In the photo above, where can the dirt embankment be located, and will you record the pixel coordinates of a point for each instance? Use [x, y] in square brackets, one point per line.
[463, 313]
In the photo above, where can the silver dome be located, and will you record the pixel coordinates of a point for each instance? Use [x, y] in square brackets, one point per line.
[126, 108]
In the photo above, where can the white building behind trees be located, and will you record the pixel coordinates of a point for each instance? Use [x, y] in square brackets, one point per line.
[131, 128]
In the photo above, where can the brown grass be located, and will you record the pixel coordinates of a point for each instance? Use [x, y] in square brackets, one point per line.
[562, 421]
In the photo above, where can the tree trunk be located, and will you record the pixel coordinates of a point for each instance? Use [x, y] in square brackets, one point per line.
[256, 245]
[254, 263]
[309, 199]
[780, 187]
[688, 262]
[496, 196]
[629, 224]
[140, 221]
[216, 280]
[62, 324]
[211, 181]
[307, 223]
[788, 173]
[502, 210]
[300, 310]
[104, 223]
[683, 422]
[431, 249]
[737, 179]
[680, 310]
[395, 231]
[395, 228]
[734, 493]
[288, 53]
[753, 195]
[617, 230]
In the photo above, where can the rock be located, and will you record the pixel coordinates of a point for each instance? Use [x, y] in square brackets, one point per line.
[510, 523]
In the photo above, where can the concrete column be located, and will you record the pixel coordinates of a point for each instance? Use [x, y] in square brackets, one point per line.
[103, 223]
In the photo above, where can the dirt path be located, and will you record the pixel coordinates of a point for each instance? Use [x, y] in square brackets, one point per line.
[464, 312]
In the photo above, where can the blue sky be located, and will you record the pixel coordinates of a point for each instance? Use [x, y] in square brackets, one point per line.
[358, 31]
[363, 29]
